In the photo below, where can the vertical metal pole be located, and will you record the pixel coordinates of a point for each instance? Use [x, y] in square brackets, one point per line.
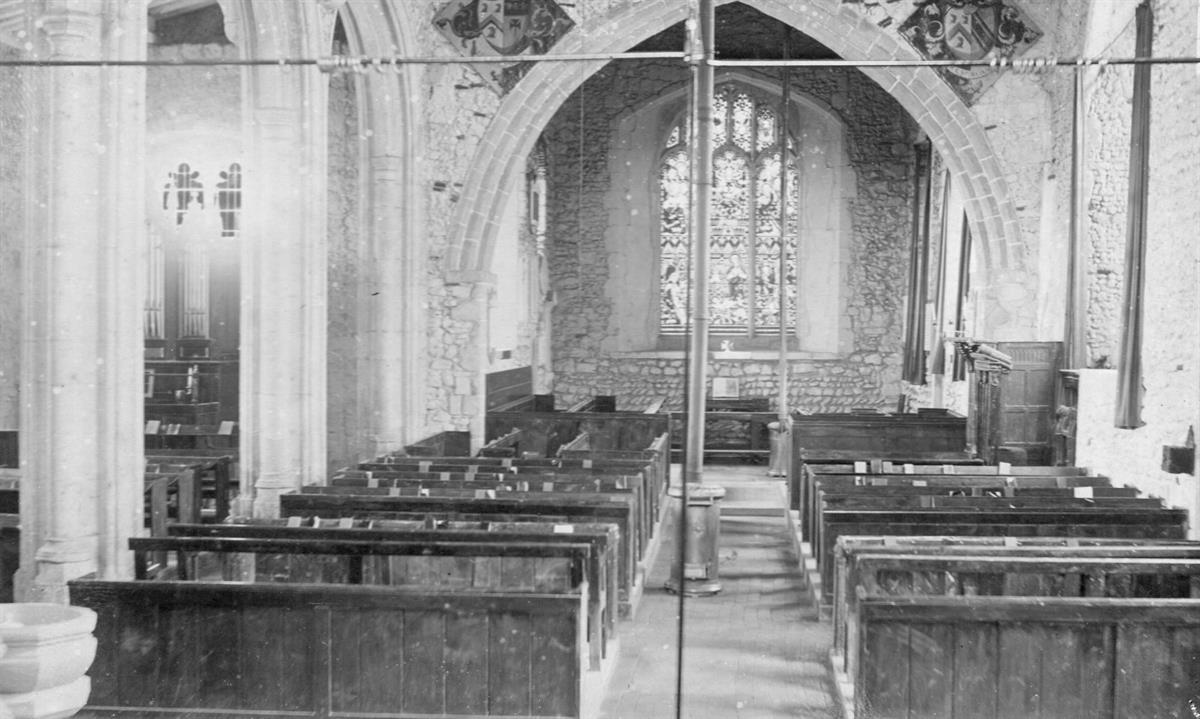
[701, 223]
[784, 163]
[1075, 344]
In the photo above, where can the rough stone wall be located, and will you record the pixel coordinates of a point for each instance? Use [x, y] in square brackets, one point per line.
[1108, 127]
[879, 140]
[11, 236]
[458, 107]
[1171, 348]
[347, 262]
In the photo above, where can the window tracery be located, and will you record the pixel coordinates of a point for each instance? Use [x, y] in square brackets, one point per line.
[746, 241]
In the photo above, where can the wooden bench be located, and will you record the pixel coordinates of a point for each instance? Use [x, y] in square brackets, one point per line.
[889, 468]
[10, 454]
[442, 444]
[849, 438]
[543, 433]
[171, 496]
[191, 436]
[997, 520]
[878, 434]
[601, 538]
[1067, 658]
[412, 559]
[653, 474]
[557, 490]
[935, 483]
[728, 434]
[214, 470]
[237, 650]
[624, 476]
[850, 587]
[10, 553]
[588, 509]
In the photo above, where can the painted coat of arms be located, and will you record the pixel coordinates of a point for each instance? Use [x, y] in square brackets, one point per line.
[502, 27]
[969, 30]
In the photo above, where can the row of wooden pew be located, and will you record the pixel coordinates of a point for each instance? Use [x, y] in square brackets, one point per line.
[405, 586]
[961, 590]
[188, 486]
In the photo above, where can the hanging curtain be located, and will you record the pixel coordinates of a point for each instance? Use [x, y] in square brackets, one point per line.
[1129, 375]
[964, 291]
[918, 268]
[937, 360]
[1075, 336]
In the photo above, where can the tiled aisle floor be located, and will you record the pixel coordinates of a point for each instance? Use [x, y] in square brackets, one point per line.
[753, 651]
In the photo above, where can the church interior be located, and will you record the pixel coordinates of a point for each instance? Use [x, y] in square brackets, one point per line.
[904, 290]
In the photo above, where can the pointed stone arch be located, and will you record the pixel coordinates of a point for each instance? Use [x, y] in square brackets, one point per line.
[282, 390]
[951, 125]
[392, 207]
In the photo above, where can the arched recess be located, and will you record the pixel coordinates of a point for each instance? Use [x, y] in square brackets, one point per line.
[396, 251]
[950, 123]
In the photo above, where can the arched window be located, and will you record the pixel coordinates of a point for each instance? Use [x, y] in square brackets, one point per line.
[746, 242]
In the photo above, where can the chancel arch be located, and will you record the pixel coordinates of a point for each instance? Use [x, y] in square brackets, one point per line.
[955, 132]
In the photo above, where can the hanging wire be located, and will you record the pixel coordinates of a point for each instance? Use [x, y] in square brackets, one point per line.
[343, 63]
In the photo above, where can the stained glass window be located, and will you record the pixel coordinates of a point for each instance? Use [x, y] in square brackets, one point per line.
[746, 242]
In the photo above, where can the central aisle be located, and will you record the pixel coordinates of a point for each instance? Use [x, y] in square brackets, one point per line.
[753, 651]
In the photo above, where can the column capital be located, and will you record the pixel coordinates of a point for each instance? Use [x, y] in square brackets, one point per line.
[64, 19]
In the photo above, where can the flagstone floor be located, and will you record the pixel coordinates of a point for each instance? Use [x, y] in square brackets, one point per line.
[755, 650]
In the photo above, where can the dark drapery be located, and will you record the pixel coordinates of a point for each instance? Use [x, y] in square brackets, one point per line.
[964, 290]
[937, 359]
[1129, 375]
[918, 268]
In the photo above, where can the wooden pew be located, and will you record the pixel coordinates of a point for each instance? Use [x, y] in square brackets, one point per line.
[414, 560]
[214, 469]
[653, 473]
[10, 553]
[441, 444]
[192, 436]
[849, 587]
[847, 438]
[544, 432]
[171, 496]
[634, 477]
[10, 455]
[889, 468]
[879, 434]
[562, 494]
[236, 650]
[729, 433]
[1067, 658]
[999, 520]
[601, 538]
[507, 445]
[810, 511]
[882, 576]
[613, 509]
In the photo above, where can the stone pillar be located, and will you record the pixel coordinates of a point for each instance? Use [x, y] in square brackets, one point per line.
[464, 347]
[396, 340]
[83, 298]
[282, 384]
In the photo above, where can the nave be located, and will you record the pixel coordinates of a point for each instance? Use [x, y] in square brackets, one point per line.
[756, 649]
